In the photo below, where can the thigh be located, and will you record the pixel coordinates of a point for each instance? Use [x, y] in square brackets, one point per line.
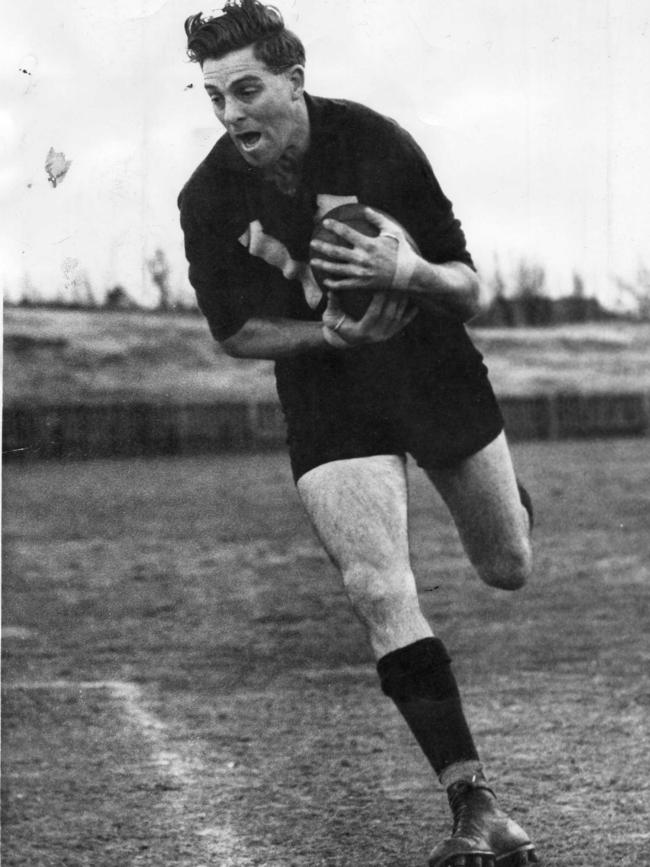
[359, 509]
[331, 416]
[482, 495]
[444, 423]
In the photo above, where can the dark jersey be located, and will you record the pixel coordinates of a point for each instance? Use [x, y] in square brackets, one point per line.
[248, 249]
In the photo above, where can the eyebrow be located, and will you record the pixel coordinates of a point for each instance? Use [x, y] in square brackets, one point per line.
[242, 80]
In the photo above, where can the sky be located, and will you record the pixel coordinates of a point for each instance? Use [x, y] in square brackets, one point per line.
[534, 114]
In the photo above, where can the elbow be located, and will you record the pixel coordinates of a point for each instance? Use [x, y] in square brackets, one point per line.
[470, 304]
[472, 307]
[233, 347]
[244, 343]
[465, 286]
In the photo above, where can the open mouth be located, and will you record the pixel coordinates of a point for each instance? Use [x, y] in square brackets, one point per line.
[248, 140]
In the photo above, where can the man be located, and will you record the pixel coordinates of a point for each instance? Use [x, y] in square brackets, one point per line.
[358, 394]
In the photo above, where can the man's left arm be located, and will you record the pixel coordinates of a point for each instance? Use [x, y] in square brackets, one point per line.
[389, 263]
[448, 289]
[396, 176]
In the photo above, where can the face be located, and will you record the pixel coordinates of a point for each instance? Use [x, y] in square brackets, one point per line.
[260, 110]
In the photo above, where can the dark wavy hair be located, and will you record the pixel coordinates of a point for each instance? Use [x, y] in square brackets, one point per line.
[242, 23]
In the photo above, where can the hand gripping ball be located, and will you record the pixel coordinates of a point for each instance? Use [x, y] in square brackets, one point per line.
[354, 302]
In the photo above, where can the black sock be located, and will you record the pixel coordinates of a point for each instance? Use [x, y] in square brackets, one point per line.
[420, 681]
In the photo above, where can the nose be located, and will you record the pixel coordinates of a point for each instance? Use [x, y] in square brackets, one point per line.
[232, 111]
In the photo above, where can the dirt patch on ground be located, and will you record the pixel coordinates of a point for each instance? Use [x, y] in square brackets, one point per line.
[184, 683]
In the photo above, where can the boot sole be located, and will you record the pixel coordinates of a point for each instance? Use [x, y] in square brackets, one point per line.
[521, 857]
[487, 859]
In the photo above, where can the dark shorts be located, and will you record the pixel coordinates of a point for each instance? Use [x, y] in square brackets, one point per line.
[439, 414]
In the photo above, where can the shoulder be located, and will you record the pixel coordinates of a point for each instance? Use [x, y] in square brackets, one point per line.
[207, 171]
[351, 118]
[210, 192]
[327, 110]
[364, 132]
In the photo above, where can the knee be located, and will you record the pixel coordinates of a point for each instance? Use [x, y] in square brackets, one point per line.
[508, 570]
[379, 596]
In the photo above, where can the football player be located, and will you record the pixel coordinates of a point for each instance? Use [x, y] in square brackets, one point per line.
[359, 394]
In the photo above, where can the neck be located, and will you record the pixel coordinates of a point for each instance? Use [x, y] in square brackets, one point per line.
[299, 144]
[285, 173]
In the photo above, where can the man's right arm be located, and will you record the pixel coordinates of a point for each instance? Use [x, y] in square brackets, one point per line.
[273, 338]
[244, 316]
[247, 317]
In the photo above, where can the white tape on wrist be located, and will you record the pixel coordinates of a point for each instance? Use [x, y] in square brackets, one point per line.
[335, 339]
[407, 260]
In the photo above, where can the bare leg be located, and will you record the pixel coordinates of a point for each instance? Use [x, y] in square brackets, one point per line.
[483, 498]
[359, 510]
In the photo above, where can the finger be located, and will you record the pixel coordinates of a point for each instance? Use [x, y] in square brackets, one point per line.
[400, 302]
[354, 238]
[382, 222]
[334, 315]
[398, 318]
[342, 285]
[391, 307]
[333, 302]
[411, 314]
[344, 269]
[334, 251]
[375, 310]
[403, 303]
[376, 219]
[398, 310]
[333, 309]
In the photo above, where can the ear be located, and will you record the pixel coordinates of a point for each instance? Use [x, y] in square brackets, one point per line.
[296, 76]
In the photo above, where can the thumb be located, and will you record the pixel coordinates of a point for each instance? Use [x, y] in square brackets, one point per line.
[333, 311]
[333, 304]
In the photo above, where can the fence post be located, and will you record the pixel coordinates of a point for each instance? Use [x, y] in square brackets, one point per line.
[553, 416]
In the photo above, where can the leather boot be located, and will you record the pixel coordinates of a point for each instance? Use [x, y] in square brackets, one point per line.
[482, 834]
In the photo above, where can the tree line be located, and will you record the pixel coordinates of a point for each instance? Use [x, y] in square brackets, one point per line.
[521, 300]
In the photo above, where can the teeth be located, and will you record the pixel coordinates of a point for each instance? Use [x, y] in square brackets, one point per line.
[249, 139]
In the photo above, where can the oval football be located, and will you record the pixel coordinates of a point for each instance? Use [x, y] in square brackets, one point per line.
[354, 302]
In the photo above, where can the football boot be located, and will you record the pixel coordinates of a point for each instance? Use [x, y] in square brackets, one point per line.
[482, 834]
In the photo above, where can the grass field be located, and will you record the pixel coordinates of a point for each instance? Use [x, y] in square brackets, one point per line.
[185, 685]
[54, 356]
